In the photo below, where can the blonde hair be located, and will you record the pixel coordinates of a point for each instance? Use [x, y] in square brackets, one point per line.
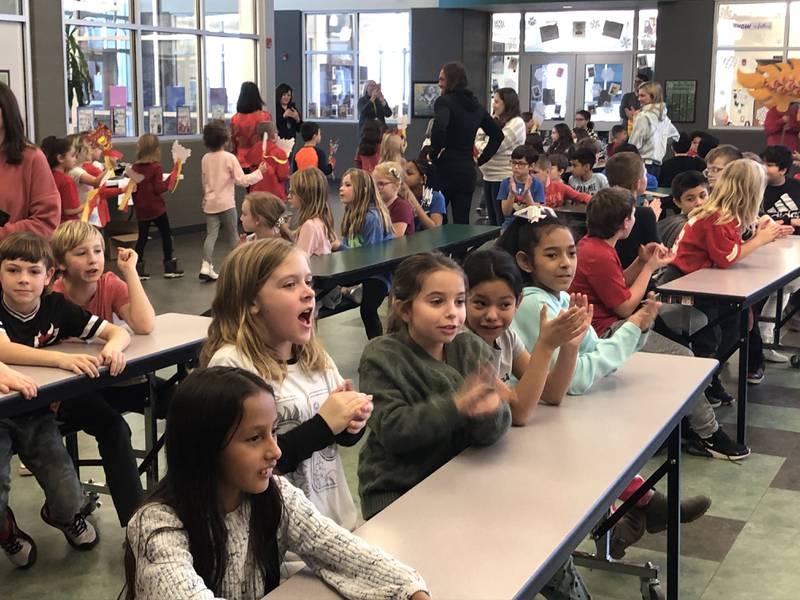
[392, 147]
[267, 207]
[81, 145]
[653, 89]
[395, 172]
[147, 149]
[71, 234]
[365, 196]
[311, 186]
[243, 274]
[737, 195]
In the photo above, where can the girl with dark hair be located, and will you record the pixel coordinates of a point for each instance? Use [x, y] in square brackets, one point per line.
[505, 110]
[249, 113]
[426, 202]
[584, 125]
[29, 199]
[220, 523]
[372, 105]
[561, 139]
[60, 155]
[369, 148]
[287, 117]
[457, 117]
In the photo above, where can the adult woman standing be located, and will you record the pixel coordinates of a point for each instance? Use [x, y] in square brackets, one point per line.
[652, 129]
[372, 104]
[457, 117]
[505, 111]
[29, 199]
[287, 117]
[249, 113]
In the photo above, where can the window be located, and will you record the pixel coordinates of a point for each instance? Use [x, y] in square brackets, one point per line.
[579, 31]
[344, 51]
[505, 45]
[164, 40]
[10, 7]
[749, 35]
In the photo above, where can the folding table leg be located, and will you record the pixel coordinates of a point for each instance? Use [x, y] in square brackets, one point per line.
[674, 513]
[776, 335]
[744, 352]
[151, 433]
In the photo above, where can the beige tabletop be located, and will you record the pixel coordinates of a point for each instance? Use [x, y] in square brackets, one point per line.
[491, 522]
[172, 331]
[761, 270]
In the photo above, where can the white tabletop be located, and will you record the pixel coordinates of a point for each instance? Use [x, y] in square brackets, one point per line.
[494, 520]
[767, 267]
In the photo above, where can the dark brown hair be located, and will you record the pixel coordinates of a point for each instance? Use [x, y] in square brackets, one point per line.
[14, 142]
[26, 246]
[607, 211]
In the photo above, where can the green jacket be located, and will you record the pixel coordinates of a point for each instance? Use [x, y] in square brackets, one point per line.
[415, 427]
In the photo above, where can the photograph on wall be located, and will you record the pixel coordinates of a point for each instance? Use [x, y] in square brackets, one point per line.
[579, 29]
[218, 112]
[425, 94]
[120, 121]
[612, 29]
[680, 98]
[5, 77]
[85, 118]
[156, 120]
[184, 120]
[548, 32]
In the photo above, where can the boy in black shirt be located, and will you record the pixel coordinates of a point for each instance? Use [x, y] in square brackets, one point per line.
[680, 162]
[31, 319]
[782, 196]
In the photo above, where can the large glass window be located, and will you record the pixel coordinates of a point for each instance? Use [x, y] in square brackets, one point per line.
[10, 7]
[169, 13]
[169, 74]
[579, 31]
[386, 58]
[229, 63]
[98, 10]
[230, 16]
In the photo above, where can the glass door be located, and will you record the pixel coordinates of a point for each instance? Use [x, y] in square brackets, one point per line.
[605, 78]
[547, 87]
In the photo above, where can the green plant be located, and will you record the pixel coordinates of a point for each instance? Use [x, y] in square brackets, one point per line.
[79, 81]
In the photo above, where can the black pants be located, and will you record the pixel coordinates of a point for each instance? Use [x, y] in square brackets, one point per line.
[718, 340]
[97, 417]
[164, 230]
[458, 184]
[374, 293]
[755, 358]
[495, 213]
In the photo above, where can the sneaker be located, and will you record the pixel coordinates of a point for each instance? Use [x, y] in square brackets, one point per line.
[207, 272]
[171, 270]
[141, 271]
[80, 534]
[18, 545]
[628, 530]
[773, 356]
[656, 510]
[720, 445]
[717, 395]
[355, 294]
[756, 376]
[23, 471]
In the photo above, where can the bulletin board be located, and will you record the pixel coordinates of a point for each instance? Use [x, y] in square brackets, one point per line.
[681, 98]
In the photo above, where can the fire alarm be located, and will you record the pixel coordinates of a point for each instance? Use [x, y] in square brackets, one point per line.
[269, 43]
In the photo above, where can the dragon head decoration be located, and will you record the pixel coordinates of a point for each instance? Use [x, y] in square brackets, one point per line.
[776, 85]
[100, 136]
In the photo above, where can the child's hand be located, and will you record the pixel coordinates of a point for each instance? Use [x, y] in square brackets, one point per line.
[114, 359]
[647, 250]
[126, 261]
[478, 395]
[655, 205]
[345, 386]
[11, 380]
[646, 315]
[769, 231]
[358, 422]
[341, 408]
[80, 364]
[660, 258]
[580, 301]
[556, 332]
[262, 167]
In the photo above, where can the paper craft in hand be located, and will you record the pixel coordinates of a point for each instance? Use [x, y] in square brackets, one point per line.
[134, 178]
[180, 154]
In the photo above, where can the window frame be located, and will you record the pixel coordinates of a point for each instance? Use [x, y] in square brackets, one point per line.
[136, 28]
[23, 19]
[354, 52]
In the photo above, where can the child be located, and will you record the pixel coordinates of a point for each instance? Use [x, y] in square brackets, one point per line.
[713, 238]
[651, 180]
[148, 202]
[87, 177]
[618, 135]
[782, 195]
[695, 138]
[78, 252]
[616, 294]
[392, 147]
[717, 159]
[309, 155]
[365, 221]
[521, 189]
[561, 139]
[60, 155]
[555, 190]
[427, 204]
[221, 170]
[680, 162]
[262, 216]
[545, 253]
[559, 165]
[495, 289]
[535, 142]
[219, 523]
[583, 179]
[388, 178]
[264, 323]
[276, 171]
[689, 190]
[584, 125]
[369, 148]
[308, 196]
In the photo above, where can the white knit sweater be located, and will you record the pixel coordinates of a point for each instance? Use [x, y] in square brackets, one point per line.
[498, 167]
[164, 569]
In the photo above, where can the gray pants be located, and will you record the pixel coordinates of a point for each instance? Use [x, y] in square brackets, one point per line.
[38, 442]
[701, 416]
[226, 218]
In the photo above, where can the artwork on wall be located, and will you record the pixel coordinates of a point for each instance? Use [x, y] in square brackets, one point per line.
[425, 94]
[680, 96]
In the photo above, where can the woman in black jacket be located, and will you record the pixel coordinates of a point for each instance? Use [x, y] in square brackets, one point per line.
[372, 105]
[457, 117]
[287, 117]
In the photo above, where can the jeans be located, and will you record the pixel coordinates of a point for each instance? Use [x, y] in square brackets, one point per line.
[164, 230]
[213, 224]
[490, 190]
[374, 293]
[37, 440]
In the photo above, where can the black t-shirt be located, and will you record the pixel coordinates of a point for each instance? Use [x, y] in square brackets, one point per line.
[783, 201]
[56, 319]
[644, 231]
[677, 165]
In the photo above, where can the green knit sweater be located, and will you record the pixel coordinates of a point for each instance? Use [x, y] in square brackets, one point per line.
[415, 427]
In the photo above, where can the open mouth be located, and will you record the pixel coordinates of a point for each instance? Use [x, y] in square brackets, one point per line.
[449, 329]
[306, 317]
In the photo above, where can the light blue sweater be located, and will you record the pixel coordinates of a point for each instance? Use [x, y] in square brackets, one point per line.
[597, 357]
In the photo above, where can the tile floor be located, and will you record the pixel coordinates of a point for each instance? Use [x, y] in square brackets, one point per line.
[745, 548]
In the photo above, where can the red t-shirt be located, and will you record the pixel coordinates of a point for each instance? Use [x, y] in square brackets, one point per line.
[244, 135]
[400, 212]
[703, 244]
[69, 195]
[599, 275]
[276, 174]
[557, 191]
[110, 297]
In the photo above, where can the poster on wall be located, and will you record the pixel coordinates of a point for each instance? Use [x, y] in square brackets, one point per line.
[184, 120]
[680, 98]
[120, 121]
[85, 118]
[218, 112]
[5, 77]
[425, 94]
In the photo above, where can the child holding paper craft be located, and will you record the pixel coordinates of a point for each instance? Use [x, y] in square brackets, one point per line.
[277, 163]
[61, 157]
[148, 201]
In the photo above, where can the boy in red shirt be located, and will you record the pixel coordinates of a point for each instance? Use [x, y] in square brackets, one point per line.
[277, 171]
[555, 190]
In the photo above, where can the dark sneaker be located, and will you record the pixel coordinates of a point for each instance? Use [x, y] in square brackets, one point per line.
[718, 396]
[720, 445]
[80, 534]
[18, 545]
[656, 510]
[627, 532]
[171, 270]
[141, 271]
[756, 376]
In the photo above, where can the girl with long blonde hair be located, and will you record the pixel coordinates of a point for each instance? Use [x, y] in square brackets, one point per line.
[264, 323]
[392, 147]
[308, 195]
[390, 182]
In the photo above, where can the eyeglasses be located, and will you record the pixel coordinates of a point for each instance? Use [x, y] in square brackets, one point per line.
[519, 163]
[382, 184]
[713, 171]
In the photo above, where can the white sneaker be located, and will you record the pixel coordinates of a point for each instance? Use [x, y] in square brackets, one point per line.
[80, 534]
[212, 274]
[18, 546]
[773, 356]
[24, 471]
[207, 272]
